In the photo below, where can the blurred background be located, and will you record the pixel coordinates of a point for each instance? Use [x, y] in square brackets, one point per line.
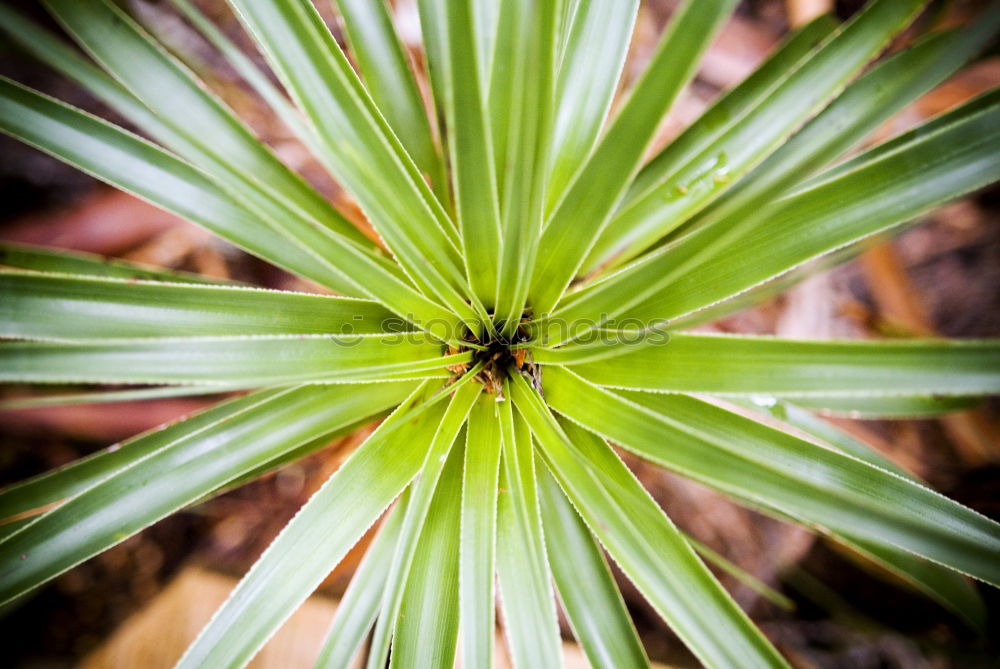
[138, 604]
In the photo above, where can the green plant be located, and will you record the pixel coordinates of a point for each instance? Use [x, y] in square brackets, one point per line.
[532, 309]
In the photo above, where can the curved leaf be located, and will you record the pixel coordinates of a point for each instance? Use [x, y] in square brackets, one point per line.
[358, 607]
[318, 537]
[168, 475]
[587, 589]
[644, 543]
[812, 484]
[599, 186]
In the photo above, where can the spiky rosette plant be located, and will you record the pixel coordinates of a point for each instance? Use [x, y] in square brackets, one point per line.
[524, 306]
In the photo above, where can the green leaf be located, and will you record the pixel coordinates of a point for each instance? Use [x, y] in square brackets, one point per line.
[720, 364]
[108, 396]
[59, 307]
[168, 472]
[244, 66]
[895, 186]
[875, 408]
[860, 109]
[236, 160]
[56, 485]
[427, 625]
[477, 601]
[421, 496]
[521, 100]
[138, 167]
[449, 25]
[814, 485]
[589, 67]
[728, 110]
[60, 261]
[142, 169]
[744, 577]
[821, 431]
[600, 185]
[385, 68]
[358, 608]
[643, 541]
[529, 607]
[318, 537]
[904, 141]
[688, 188]
[233, 156]
[949, 588]
[587, 589]
[228, 362]
[359, 148]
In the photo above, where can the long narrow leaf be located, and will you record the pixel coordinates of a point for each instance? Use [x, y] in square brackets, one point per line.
[317, 538]
[450, 26]
[227, 361]
[478, 544]
[856, 112]
[522, 91]
[76, 263]
[56, 485]
[422, 495]
[729, 109]
[589, 67]
[769, 366]
[644, 542]
[953, 160]
[816, 485]
[804, 91]
[948, 587]
[209, 134]
[358, 607]
[385, 69]
[586, 586]
[167, 477]
[56, 307]
[522, 563]
[358, 146]
[136, 166]
[600, 185]
[427, 626]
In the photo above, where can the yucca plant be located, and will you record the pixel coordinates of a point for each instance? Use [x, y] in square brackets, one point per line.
[526, 303]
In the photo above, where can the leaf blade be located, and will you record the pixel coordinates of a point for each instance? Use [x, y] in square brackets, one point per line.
[307, 548]
[587, 589]
[166, 477]
[644, 542]
[818, 486]
[477, 601]
[769, 366]
[58, 307]
[226, 362]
